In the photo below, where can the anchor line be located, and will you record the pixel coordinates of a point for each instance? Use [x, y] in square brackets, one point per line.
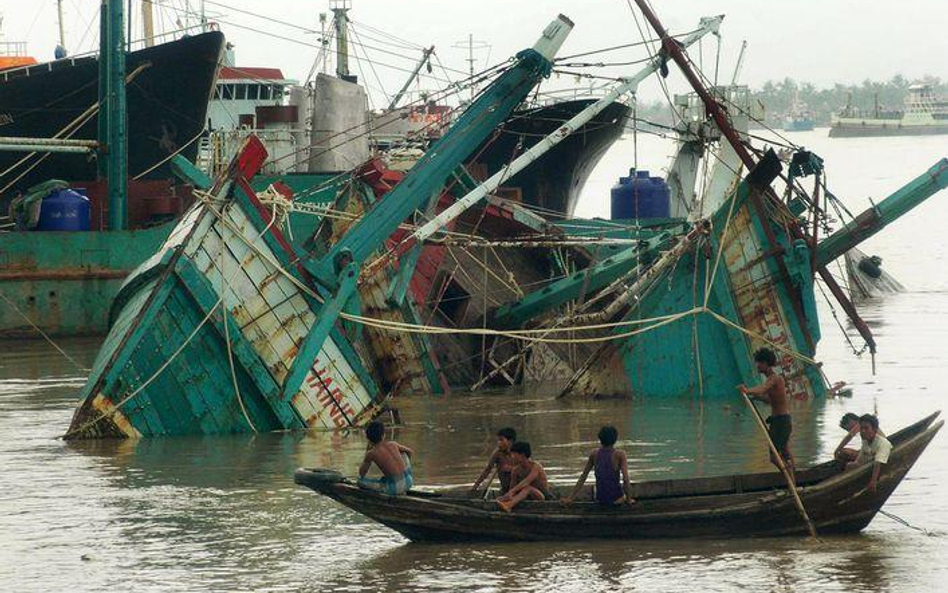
[902, 521]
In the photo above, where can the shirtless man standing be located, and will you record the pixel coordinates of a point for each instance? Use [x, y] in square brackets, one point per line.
[774, 392]
[393, 459]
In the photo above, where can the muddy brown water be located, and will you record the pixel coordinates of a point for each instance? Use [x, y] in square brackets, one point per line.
[222, 513]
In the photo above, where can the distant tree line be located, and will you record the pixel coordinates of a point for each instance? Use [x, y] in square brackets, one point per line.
[778, 97]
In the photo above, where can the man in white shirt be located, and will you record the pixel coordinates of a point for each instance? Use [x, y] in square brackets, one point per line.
[875, 449]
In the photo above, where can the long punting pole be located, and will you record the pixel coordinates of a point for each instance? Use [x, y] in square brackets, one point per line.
[673, 49]
[783, 467]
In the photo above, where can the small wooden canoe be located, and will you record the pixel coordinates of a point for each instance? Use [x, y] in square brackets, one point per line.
[748, 505]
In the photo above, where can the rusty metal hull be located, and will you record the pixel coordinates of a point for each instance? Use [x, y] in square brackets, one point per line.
[62, 282]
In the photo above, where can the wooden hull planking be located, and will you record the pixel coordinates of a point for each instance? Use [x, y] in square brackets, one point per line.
[729, 506]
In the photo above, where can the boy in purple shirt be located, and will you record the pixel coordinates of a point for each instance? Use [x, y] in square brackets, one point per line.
[608, 463]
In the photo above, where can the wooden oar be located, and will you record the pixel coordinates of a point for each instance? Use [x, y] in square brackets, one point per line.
[489, 482]
[783, 467]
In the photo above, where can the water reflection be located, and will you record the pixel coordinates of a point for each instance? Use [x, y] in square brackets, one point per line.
[223, 514]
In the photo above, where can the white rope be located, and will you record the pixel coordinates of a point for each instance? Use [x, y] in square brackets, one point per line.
[230, 354]
[418, 328]
[115, 408]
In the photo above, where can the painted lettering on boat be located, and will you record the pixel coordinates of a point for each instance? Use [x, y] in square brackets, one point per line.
[330, 395]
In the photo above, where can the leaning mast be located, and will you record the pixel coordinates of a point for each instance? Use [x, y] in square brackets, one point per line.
[671, 48]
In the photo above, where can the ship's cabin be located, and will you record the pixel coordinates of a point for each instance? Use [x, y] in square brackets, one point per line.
[240, 91]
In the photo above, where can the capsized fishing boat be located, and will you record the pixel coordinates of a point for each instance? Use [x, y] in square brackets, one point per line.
[203, 331]
[658, 307]
[682, 316]
[229, 328]
[56, 278]
[744, 505]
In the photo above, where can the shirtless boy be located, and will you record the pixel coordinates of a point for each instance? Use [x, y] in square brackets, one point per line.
[528, 479]
[393, 459]
[501, 459]
[774, 392]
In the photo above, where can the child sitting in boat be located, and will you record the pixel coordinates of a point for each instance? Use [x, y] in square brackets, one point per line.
[528, 479]
[608, 463]
[392, 458]
[849, 423]
[501, 459]
[875, 449]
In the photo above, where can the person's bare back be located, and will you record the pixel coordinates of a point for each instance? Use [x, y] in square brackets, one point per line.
[387, 455]
[392, 459]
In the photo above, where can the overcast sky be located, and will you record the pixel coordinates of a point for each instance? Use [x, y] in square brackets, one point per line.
[822, 41]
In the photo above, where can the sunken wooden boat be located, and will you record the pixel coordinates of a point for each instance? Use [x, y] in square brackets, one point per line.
[748, 505]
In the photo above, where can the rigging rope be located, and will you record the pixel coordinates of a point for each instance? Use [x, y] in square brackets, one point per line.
[174, 355]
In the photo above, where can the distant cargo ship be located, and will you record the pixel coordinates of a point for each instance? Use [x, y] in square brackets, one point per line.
[924, 114]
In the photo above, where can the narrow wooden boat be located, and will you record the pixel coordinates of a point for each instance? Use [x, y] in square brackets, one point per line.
[749, 505]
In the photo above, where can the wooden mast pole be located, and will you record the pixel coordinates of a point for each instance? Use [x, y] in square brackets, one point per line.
[148, 23]
[791, 485]
[62, 26]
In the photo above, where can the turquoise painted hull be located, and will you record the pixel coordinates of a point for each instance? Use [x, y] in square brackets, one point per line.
[174, 363]
[703, 356]
[62, 282]
[203, 335]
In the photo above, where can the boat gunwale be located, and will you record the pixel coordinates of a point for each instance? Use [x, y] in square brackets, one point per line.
[432, 506]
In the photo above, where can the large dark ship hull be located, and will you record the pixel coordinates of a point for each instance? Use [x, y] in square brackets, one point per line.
[553, 183]
[61, 282]
[167, 97]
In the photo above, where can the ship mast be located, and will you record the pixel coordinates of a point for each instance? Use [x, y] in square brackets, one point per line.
[61, 50]
[148, 23]
[673, 50]
[112, 128]
[425, 55]
[340, 20]
[740, 62]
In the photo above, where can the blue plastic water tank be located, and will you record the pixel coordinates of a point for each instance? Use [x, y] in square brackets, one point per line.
[640, 196]
[64, 210]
